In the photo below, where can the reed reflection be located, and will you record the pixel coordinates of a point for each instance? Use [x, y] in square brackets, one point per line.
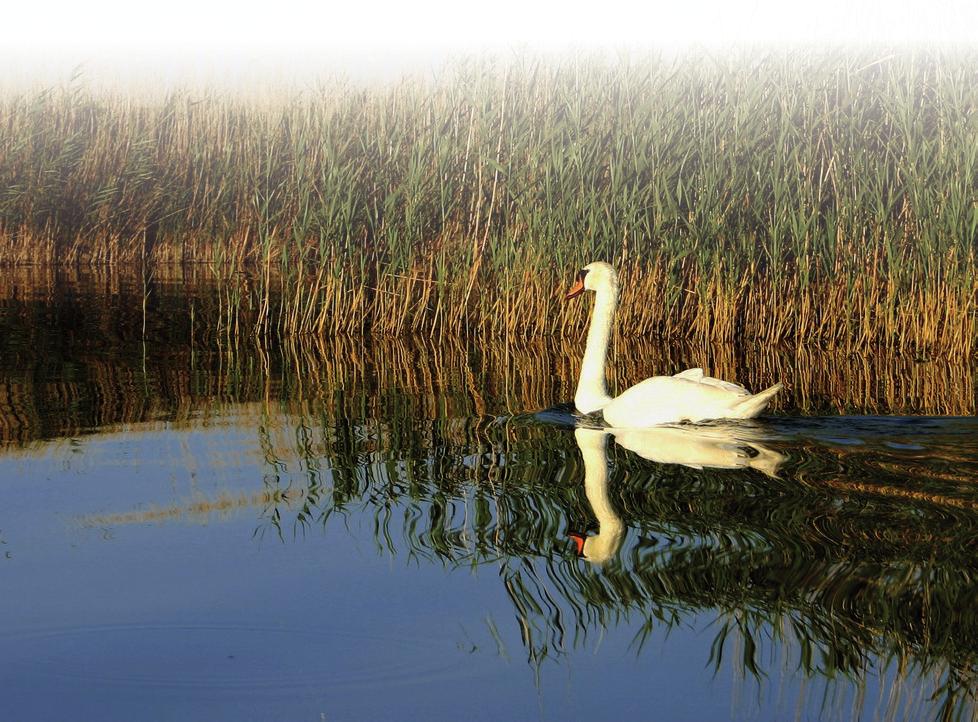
[81, 352]
[806, 541]
[838, 543]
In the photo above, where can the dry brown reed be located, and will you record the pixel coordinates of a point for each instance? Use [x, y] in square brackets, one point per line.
[818, 200]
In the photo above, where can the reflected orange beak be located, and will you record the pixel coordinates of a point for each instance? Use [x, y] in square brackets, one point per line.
[576, 290]
[578, 542]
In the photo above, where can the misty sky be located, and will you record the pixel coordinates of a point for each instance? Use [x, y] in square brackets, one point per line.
[237, 37]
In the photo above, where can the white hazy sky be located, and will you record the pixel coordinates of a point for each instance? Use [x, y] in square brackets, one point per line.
[228, 38]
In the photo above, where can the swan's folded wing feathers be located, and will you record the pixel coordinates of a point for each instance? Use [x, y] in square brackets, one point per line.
[699, 377]
[726, 385]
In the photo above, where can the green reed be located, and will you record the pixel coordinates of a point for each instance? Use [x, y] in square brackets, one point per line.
[784, 197]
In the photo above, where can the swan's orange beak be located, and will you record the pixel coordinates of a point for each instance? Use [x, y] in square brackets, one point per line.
[578, 540]
[576, 290]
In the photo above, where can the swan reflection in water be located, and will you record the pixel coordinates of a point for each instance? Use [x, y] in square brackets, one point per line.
[717, 446]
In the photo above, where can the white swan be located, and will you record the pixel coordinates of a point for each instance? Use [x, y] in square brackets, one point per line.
[687, 396]
[721, 446]
[713, 446]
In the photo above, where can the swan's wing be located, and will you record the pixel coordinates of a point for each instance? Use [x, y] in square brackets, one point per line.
[687, 446]
[699, 377]
[669, 400]
[722, 446]
[725, 385]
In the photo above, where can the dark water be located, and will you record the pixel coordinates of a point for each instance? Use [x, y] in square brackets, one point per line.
[193, 527]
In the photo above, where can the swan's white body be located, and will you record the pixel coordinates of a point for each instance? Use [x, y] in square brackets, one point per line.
[714, 446]
[687, 396]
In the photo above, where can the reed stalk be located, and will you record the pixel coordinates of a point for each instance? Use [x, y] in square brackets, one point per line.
[827, 199]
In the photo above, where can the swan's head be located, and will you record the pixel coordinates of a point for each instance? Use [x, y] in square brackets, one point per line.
[599, 548]
[597, 276]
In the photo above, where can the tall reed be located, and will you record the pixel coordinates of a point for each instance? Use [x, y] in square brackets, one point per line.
[786, 198]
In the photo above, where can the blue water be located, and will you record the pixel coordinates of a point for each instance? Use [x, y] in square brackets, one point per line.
[124, 601]
[360, 529]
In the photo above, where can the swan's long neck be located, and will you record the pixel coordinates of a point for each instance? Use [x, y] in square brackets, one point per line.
[592, 393]
[611, 529]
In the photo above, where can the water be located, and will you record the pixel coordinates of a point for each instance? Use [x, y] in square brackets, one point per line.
[194, 528]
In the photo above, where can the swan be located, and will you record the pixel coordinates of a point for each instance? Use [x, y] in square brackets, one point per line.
[713, 446]
[720, 446]
[687, 396]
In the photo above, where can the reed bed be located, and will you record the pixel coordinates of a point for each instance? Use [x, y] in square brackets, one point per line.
[827, 199]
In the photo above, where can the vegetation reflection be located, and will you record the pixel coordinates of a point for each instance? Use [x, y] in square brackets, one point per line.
[81, 352]
[842, 547]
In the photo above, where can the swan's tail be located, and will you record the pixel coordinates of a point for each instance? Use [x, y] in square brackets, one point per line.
[753, 405]
[767, 461]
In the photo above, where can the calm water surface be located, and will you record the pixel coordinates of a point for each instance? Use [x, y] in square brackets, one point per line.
[194, 528]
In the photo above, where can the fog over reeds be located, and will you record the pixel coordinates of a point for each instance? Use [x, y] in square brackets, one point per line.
[788, 197]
